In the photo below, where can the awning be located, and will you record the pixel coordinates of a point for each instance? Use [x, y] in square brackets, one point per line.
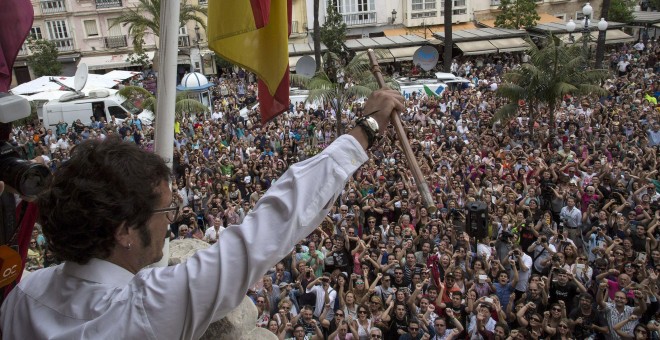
[615, 37]
[544, 19]
[383, 55]
[403, 53]
[104, 62]
[476, 47]
[419, 30]
[656, 25]
[510, 45]
[612, 37]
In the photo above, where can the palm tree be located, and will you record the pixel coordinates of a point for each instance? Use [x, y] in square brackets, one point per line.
[329, 84]
[147, 101]
[144, 18]
[317, 35]
[551, 73]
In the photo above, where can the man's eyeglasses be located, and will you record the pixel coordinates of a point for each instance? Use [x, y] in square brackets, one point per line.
[376, 336]
[171, 212]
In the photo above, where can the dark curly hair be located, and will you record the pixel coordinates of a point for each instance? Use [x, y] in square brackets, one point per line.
[104, 184]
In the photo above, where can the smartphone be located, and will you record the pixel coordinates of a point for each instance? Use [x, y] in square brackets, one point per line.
[641, 257]
[482, 278]
[489, 300]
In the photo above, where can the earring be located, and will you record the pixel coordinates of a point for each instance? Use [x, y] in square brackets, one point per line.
[129, 246]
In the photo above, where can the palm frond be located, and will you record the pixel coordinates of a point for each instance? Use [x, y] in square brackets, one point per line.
[133, 92]
[189, 105]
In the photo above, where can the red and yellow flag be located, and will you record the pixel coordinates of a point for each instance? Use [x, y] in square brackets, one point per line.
[255, 34]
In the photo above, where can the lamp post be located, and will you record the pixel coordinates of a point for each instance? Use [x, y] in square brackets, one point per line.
[570, 27]
[393, 16]
[587, 10]
[197, 61]
[600, 46]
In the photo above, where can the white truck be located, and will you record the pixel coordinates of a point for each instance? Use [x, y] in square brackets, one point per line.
[97, 103]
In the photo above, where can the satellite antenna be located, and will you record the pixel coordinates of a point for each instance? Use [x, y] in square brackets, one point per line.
[79, 81]
[306, 66]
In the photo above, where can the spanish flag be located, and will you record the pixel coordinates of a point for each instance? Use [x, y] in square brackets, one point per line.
[255, 34]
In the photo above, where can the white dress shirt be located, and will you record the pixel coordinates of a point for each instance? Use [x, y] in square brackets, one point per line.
[100, 300]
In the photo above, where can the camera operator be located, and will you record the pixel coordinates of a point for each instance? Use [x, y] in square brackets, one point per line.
[571, 218]
[542, 252]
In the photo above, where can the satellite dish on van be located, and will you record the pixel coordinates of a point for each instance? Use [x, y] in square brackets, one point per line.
[426, 57]
[306, 66]
[80, 79]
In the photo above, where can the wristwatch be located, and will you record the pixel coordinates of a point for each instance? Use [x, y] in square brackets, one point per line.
[370, 128]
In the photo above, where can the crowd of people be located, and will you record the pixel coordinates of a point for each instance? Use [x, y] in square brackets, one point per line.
[571, 246]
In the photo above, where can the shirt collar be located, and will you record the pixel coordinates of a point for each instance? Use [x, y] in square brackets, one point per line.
[100, 271]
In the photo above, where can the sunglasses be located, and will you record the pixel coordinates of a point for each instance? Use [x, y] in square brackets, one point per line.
[556, 309]
[563, 326]
[362, 312]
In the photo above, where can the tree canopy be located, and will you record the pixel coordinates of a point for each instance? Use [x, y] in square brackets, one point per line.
[43, 60]
[517, 14]
[333, 31]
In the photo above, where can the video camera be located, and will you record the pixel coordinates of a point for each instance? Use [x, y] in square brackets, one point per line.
[27, 178]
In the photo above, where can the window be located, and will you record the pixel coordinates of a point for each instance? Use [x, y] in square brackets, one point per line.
[459, 3]
[459, 11]
[113, 31]
[90, 28]
[421, 5]
[57, 29]
[579, 16]
[420, 15]
[183, 30]
[355, 6]
[117, 111]
[35, 33]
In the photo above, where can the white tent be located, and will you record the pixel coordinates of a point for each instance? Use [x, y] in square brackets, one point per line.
[43, 84]
[120, 75]
[40, 84]
[47, 95]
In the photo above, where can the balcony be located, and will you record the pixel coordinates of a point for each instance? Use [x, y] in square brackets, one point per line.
[52, 6]
[116, 41]
[360, 18]
[184, 41]
[101, 4]
[63, 44]
[294, 26]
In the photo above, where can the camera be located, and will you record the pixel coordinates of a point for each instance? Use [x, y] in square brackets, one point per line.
[516, 252]
[27, 178]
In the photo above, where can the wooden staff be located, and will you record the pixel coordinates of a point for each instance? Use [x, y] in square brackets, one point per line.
[420, 182]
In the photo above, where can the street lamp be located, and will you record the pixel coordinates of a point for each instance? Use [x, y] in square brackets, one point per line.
[600, 46]
[587, 10]
[570, 27]
[393, 15]
[199, 52]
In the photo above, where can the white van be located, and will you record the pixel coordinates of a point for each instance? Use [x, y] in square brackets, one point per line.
[451, 79]
[98, 103]
[408, 86]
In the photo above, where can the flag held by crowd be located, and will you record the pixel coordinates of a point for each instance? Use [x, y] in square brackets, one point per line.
[254, 34]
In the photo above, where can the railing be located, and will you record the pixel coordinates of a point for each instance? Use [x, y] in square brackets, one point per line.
[203, 2]
[107, 4]
[52, 6]
[63, 44]
[294, 26]
[184, 41]
[116, 41]
[360, 18]
[494, 2]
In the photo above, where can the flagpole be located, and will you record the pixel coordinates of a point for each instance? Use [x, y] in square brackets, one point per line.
[166, 93]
